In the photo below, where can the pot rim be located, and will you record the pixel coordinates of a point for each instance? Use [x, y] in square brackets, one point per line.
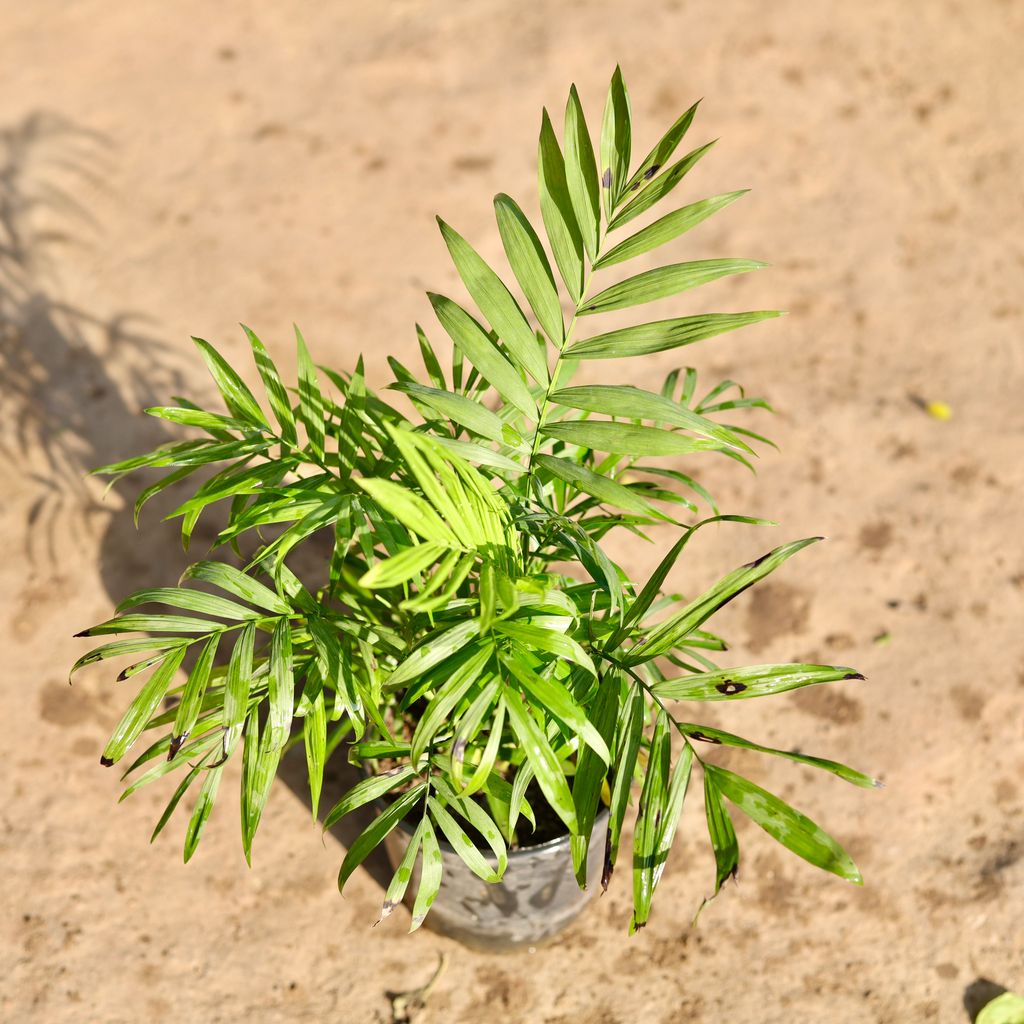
[520, 852]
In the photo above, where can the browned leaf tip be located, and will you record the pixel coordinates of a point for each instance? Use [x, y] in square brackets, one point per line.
[606, 871]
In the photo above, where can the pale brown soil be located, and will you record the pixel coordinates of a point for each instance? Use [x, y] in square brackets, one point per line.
[171, 169]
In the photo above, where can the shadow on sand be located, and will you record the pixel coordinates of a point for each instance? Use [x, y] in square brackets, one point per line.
[75, 384]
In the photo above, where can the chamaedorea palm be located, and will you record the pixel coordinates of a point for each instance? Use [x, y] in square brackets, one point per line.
[468, 673]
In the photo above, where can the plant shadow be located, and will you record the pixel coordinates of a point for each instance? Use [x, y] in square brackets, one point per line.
[63, 410]
[75, 384]
[979, 994]
[339, 777]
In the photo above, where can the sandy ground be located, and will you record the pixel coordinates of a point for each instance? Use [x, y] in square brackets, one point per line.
[171, 169]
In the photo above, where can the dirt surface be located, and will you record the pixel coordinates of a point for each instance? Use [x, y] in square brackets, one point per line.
[171, 169]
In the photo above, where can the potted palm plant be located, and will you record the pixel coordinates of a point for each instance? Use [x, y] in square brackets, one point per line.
[509, 690]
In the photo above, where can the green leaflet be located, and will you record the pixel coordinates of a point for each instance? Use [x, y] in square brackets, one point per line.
[530, 266]
[403, 873]
[260, 759]
[447, 698]
[238, 583]
[202, 809]
[156, 488]
[788, 826]
[281, 684]
[542, 759]
[311, 401]
[481, 455]
[673, 630]
[236, 690]
[626, 439]
[237, 479]
[581, 173]
[192, 698]
[754, 681]
[485, 765]
[410, 510]
[373, 835]
[557, 702]
[153, 624]
[142, 707]
[677, 787]
[189, 600]
[200, 747]
[670, 226]
[459, 409]
[314, 738]
[1007, 1008]
[665, 281]
[497, 305]
[647, 857]
[431, 867]
[662, 152]
[211, 421]
[433, 651]
[508, 802]
[402, 567]
[276, 391]
[172, 804]
[652, 588]
[616, 141]
[461, 843]
[540, 638]
[591, 771]
[472, 340]
[430, 361]
[601, 487]
[658, 189]
[628, 731]
[368, 790]
[480, 820]
[119, 648]
[557, 212]
[706, 734]
[466, 727]
[720, 831]
[475, 515]
[664, 334]
[237, 397]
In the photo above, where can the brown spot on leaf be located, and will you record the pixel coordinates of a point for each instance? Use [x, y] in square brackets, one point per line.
[730, 686]
[703, 737]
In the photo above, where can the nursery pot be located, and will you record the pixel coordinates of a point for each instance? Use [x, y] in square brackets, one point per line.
[536, 898]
